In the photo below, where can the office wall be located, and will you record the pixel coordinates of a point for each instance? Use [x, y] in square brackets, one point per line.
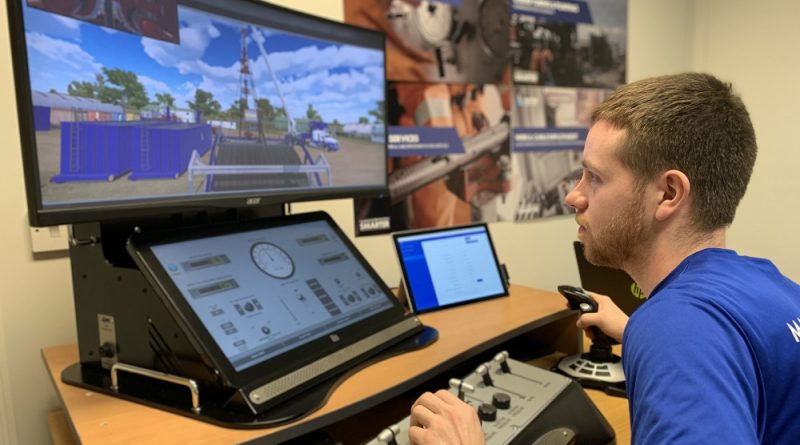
[666, 36]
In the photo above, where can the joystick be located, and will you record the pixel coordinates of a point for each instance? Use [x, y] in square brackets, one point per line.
[600, 367]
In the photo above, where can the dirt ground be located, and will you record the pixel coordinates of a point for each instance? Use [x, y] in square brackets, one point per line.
[353, 163]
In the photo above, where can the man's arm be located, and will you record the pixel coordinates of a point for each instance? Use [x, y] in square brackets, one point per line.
[609, 318]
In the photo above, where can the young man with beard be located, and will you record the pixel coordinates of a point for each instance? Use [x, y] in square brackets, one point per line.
[713, 356]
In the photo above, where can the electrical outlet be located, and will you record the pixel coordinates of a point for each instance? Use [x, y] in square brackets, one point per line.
[49, 239]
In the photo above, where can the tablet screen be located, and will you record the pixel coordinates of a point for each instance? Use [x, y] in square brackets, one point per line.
[448, 267]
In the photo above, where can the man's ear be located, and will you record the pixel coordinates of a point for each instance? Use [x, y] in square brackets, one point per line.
[673, 188]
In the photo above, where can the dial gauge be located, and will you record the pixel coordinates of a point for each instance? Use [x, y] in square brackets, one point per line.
[434, 21]
[272, 260]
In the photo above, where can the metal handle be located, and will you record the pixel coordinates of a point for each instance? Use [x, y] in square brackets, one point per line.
[189, 383]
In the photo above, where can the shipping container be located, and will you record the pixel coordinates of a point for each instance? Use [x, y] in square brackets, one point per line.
[164, 151]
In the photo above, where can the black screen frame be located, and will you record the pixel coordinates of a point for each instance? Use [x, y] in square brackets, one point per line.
[139, 246]
[396, 239]
[252, 11]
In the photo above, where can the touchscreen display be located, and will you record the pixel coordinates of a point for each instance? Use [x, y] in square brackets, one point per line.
[263, 292]
[447, 267]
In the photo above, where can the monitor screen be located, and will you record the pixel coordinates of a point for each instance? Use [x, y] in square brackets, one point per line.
[268, 297]
[133, 108]
[448, 267]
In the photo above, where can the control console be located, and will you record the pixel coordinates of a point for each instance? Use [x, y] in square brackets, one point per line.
[519, 403]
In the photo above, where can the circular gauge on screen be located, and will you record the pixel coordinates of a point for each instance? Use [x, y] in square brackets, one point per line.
[494, 20]
[434, 21]
[272, 260]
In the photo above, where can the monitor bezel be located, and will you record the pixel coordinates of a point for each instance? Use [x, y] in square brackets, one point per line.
[397, 238]
[140, 247]
[40, 215]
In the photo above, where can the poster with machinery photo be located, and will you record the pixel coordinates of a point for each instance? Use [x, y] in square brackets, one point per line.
[569, 43]
[549, 128]
[449, 157]
[448, 111]
[534, 89]
[567, 56]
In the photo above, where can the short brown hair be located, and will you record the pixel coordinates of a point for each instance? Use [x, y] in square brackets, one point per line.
[691, 122]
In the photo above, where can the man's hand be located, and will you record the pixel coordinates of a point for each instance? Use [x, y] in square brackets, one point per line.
[444, 419]
[609, 318]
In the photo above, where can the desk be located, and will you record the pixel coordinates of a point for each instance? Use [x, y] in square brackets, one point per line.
[464, 332]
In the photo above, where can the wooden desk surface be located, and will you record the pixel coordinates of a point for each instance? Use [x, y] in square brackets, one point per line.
[464, 331]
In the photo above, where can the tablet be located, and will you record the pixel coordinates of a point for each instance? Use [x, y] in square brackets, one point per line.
[447, 267]
[273, 304]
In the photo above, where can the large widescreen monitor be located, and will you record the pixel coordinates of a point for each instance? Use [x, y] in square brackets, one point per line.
[131, 108]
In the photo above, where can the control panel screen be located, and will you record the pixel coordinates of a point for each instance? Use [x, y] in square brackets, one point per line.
[263, 292]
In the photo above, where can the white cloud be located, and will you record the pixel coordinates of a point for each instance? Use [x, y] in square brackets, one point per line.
[152, 85]
[62, 52]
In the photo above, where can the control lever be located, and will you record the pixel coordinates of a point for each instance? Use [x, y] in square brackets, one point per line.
[502, 359]
[389, 435]
[462, 387]
[599, 368]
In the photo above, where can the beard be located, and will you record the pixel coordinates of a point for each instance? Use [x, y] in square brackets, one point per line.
[616, 244]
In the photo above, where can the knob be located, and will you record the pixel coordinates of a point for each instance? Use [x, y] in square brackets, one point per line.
[487, 412]
[501, 400]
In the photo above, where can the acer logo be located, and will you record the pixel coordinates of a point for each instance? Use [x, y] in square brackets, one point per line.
[334, 338]
[253, 201]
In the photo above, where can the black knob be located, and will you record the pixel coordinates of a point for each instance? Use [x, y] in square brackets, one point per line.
[487, 413]
[501, 400]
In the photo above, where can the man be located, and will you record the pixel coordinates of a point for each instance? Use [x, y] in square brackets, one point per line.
[713, 356]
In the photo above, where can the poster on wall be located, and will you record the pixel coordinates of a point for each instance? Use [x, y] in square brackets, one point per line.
[489, 104]
[449, 157]
[549, 128]
[448, 111]
[568, 55]
[569, 43]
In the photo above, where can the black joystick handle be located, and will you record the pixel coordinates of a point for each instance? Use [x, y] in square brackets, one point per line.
[578, 299]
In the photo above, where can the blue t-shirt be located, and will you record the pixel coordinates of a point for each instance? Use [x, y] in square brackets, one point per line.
[713, 356]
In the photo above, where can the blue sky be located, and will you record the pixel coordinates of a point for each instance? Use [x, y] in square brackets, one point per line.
[342, 82]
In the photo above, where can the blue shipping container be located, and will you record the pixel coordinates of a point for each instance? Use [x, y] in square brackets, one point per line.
[164, 151]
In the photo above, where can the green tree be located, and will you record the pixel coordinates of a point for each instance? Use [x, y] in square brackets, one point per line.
[113, 86]
[363, 120]
[265, 109]
[378, 112]
[205, 103]
[84, 88]
[312, 114]
[124, 87]
[165, 100]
